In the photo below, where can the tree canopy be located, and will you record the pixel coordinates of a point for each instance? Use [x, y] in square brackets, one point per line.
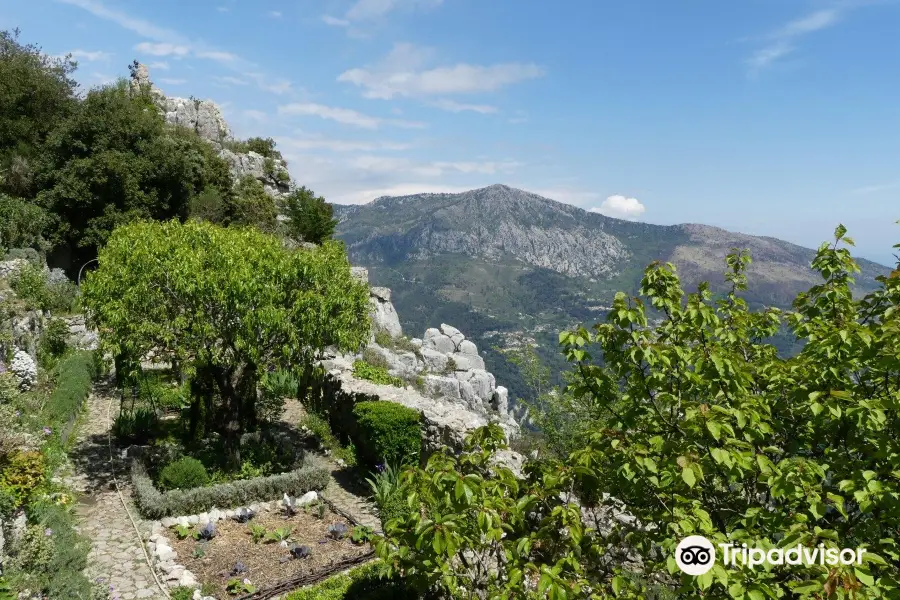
[231, 302]
[310, 218]
[702, 429]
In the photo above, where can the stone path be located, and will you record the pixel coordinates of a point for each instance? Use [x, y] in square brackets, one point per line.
[345, 491]
[116, 555]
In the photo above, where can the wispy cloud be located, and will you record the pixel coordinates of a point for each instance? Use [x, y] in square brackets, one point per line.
[371, 9]
[160, 65]
[171, 81]
[88, 56]
[875, 189]
[344, 116]
[784, 40]
[275, 14]
[315, 142]
[229, 80]
[453, 106]
[162, 49]
[334, 21]
[402, 73]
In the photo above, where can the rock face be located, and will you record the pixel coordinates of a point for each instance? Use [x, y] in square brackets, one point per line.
[24, 368]
[384, 315]
[205, 117]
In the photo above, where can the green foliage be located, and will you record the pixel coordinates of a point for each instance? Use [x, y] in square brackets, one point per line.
[361, 534]
[702, 429]
[183, 531]
[74, 376]
[387, 433]
[252, 206]
[21, 224]
[319, 427]
[387, 493]
[181, 593]
[154, 504]
[209, 205]
[114, 161]
[360, 583]
[9, 387]
[138, 426]
[29, 254]
[278, 535]
[263, 146]
[310, 218]
[38, 92]
[54, 342]
[236, 587]
[183, 474]
[375, 374]
[30, 284]
[257, 532]
[21, 475]
[54, 563]
[233, 299]
[276, 385]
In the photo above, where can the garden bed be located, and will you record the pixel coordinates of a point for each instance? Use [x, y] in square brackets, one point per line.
[268, 564]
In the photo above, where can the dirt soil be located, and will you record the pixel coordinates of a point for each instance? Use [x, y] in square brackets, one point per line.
[267, 563]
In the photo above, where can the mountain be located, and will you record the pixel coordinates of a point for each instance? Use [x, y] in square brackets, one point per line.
[500, 262]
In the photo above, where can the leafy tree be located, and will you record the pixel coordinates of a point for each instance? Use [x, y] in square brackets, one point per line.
[310, 218]
[115, 161]
[263, 146]
[251, 205]
[38, 92]
[21, 223]
[231, 302]
[705, 430]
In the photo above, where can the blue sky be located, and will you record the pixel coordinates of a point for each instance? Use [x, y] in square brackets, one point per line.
[770, 117]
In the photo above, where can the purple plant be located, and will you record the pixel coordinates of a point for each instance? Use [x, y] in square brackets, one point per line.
[48, 532]
[301, 551]
[47, 431]
[207, 532]
[238, 568]
[338, 531]
[242, 515]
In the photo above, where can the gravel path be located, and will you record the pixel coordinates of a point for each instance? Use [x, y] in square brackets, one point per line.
[116, 555]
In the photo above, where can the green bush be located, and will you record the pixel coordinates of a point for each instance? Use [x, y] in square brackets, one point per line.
[387, 432]
[74, 374]
[375, 374]
[61, 297]
[54, 342]
[53, 563]
[385, 487]
[154, 504]
[30, 284]
[183, 474]
[361, 583]
[137, 426]
[9, 387]
[320, 428]
[29, 254]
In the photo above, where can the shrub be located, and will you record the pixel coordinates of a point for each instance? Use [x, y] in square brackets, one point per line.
[181, 593]
[263, 146]
[322, 431]
[61, 296]
[30, 284]
[22, 474]
[9, 387]
[310, 218]
[29, 254]
[137, 426]
[385, 486]
[54, 342]
[155, 504]
[387, 432]
[74, 374]
[375, 374]
[183, 474]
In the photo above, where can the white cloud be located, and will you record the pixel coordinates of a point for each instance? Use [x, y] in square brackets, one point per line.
[88, 56]
[222, 8]
[334, 21]
[275, 14]
[229, 80]
[453, 106]
[345, 116]
[216, 55]
[281, 86]
[372, 9]
[783, 41]
[162, 49]
[620, 207]
[171, 81]
[255, 115]
[159, 65]
[401, 74]
[338, 145]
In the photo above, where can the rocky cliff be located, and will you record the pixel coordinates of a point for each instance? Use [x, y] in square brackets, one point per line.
[206, 119]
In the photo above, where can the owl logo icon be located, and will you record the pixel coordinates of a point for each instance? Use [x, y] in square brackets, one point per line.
[695, 555]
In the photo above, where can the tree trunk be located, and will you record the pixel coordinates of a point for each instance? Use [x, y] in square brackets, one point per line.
[238, 388]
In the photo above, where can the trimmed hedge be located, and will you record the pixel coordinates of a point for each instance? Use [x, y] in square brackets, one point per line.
[154, 504]
[387, 432]
[361, 583]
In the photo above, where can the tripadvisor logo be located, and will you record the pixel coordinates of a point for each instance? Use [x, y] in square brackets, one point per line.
[696, 555]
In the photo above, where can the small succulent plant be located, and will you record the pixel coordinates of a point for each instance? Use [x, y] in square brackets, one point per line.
[279, 535]
[206, 533]
[338, 531]
[199, 551]
[182, 531]
[238, 569]
[242, 515]
[301, 551]
[361, 534]
[257, 533]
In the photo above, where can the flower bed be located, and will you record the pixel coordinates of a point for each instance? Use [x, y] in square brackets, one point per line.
[258, 548]
[154, 504]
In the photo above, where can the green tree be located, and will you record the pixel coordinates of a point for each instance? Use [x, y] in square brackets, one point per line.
[231, 302]
[310, 218]
[21, 223]
[251, 205]
[263, 146]
[38, 92]
[705, 430]
[115, 161]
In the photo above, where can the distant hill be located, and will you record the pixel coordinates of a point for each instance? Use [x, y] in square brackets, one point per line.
[498, 261]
